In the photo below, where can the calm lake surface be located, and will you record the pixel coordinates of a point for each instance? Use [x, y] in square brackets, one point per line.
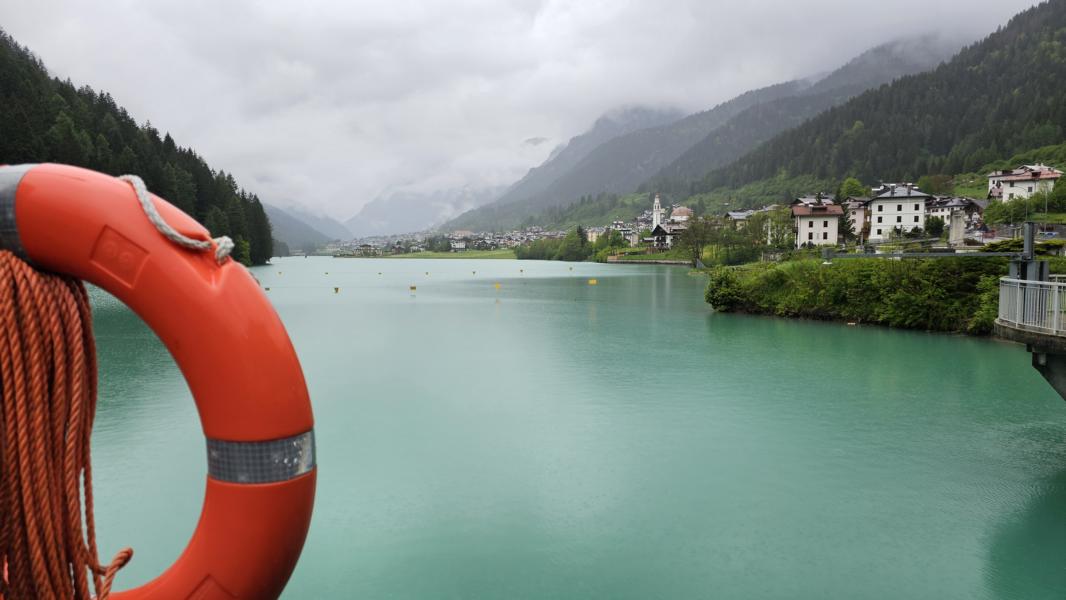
[552, 439]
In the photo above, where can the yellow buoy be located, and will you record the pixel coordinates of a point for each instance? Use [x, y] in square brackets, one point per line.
[413, 288]
[336, 290]
[593, 282]
[497, 286]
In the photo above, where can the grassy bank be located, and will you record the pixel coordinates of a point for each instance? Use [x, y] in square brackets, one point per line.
[952, 295]
[658, 256]
[502, 253]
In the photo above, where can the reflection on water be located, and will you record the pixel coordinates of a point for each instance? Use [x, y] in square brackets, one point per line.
[550, 439]
[1027, 558]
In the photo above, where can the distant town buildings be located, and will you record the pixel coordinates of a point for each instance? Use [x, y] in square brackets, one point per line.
[893, 210]
[946, 206]
[899, 209]
[680, 214]
[656, 213]
[1022, 182]
[856, 209]
[817, 223]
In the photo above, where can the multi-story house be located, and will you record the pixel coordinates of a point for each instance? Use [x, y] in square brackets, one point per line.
[899, 208]
[817, 224]
[1022, 182]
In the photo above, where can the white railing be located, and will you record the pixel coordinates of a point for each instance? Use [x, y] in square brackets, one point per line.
[1035, 305]
[1057, 278]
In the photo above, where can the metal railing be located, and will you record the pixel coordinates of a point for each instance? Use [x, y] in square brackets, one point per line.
[1033, 305]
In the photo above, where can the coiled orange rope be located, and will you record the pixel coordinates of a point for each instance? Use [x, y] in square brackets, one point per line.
[48, 376]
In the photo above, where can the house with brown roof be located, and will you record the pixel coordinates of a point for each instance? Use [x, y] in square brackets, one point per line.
[1022, 182]
[817, 224]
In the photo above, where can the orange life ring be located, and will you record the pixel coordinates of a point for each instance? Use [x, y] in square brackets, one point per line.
[231, 347]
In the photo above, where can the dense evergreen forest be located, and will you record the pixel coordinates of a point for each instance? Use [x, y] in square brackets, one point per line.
[44, 119]
[999, 97]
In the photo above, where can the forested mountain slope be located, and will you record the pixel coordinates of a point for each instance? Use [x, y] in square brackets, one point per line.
[998, 97]
[609, 126]
[622, 163]
[759, 123]
[44, 119]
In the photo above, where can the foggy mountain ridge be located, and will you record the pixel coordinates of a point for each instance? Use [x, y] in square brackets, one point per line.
[670, 155]
[293, 231]
[623, 162]
[614, 123]
[410, 211]
[873, 68]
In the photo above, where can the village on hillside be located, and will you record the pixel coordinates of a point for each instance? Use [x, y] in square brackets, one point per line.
[892, 212]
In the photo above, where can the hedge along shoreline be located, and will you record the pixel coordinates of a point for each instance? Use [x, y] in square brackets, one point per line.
[958, 295]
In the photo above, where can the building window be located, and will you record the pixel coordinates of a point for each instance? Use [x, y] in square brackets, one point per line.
[899, 219]
[810, 223]
[825, 223]
[916, 207]
[880, 208]
[915, 218]
[810, 236]
[899, 207]
[878, 232]
[1030, 189]
[825, 236]
[878, 219]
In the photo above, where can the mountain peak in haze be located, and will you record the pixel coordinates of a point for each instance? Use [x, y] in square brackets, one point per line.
[683, 150]
[408, 211]
[616, 122]
[875, 67]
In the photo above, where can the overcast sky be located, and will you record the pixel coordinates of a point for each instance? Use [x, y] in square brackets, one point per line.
[327, 104]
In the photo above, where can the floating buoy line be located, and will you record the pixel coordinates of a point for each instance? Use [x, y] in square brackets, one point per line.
[411, 288]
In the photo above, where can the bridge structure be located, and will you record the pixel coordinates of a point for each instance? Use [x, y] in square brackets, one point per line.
[1033, 312]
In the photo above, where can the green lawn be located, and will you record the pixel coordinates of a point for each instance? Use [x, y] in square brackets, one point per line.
[502, 253]
[1048, 217]
[660, 256]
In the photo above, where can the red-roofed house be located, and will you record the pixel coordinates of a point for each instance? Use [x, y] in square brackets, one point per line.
[1022, 182]
[817, 224]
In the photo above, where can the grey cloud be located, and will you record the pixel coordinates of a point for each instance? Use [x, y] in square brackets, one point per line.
[329, 105]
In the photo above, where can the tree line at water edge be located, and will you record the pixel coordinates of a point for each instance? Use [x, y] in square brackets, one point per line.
[45, 119]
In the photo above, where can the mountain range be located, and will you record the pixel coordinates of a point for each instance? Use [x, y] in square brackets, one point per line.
[759, 123]
[566, 157]
[409, 211]
[999, 97]
[675, 153]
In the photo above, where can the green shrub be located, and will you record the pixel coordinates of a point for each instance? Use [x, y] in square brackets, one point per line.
[723, 290]
[987, 306]
[953, 294]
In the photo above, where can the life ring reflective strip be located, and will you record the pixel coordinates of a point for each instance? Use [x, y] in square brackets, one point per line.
[229, 344]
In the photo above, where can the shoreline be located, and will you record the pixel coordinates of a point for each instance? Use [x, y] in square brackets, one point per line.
[675, 263]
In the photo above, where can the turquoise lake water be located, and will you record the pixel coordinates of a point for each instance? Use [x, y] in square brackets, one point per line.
[553, 439]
